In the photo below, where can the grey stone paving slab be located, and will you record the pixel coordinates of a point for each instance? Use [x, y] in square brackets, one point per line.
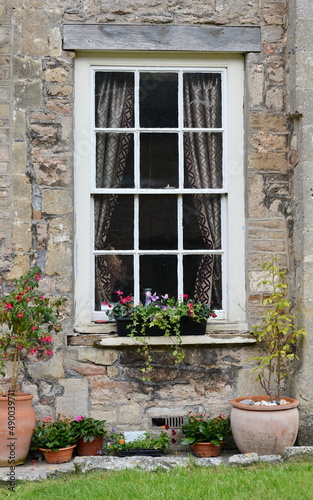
[38, 471]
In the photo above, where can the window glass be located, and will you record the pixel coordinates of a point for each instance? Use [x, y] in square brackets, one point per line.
[158, 100]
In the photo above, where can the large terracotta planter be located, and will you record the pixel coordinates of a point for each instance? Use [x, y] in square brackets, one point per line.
[89, 448]
[266, 430]
[17, 422]
[58, 457]
[205, 450]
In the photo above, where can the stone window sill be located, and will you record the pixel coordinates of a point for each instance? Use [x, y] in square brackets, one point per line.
[104, 335]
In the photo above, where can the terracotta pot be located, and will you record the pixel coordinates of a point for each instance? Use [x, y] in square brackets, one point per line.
[58, 457]
[204, 450]
[90, 448]
[15, 439]
[266, 430]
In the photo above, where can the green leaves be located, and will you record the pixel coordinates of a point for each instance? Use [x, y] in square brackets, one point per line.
[277, 333]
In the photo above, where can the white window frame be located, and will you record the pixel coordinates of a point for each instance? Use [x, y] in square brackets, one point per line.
[233, 239]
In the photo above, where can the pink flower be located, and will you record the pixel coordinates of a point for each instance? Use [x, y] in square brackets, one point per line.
[119, 292]
[46, 339]
[77, 419]
[213, 315]
[33, 351]
[34, 328]
[49, 352]
[19, 347]
[38, 277]
[20, 315]
[8, 306]
[47, 419]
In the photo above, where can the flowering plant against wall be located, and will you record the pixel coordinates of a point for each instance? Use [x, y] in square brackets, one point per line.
[28, 320]
[88, 428]
[166, 313]
[115, 442]
[121, 309]
[51, 434]
[200, 428]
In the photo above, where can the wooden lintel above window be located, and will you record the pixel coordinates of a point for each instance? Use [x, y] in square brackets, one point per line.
[162, 38]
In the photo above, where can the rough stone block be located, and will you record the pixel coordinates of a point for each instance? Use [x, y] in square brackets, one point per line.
[244, 459]
[22, 236]
[97, 356]
[56, 202]
[70, 404]
[293, 452]
[129, 413]
[305, 436]
[247, 383]
[26, 68]
[52, 173]
[28, 95]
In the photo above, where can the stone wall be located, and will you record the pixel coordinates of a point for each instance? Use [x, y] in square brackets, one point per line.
[36, 196]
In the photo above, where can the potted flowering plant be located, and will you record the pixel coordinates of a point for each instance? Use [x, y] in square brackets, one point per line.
[55, 439]
[89, 434]
[201, 430]
[121, 312]
[148, 444]
[28, 320]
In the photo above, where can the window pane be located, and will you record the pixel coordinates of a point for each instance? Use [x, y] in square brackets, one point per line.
[114, 160]
[113, 272]
[158, 160]
[158, 222]
[203, 278]
[159, 272]
[202, 221]
[158, 100]
[202, 100]
[203, 160]
[114, 222]
[114, 99]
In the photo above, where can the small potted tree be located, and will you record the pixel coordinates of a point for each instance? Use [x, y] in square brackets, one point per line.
[267, 424]
[28, 320]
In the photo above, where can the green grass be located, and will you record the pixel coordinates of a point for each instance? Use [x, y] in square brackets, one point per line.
[289, 481]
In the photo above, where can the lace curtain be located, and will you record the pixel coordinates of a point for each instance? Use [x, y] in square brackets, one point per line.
[114, 108]
[203, 163]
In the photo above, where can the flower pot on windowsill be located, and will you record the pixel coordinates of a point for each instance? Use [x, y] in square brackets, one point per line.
[187, 327]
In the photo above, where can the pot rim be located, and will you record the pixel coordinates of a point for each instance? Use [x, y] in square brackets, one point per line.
[236, 403]
[60, 449]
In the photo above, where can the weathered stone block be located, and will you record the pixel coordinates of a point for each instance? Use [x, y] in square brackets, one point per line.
[52, 173]
[305, 436]
[75, 397]
[58, 74]
[26, 68]
[97, 356]
[44, 135]
[56, 202]
[22, 237]
[268, 161]
[28, 95]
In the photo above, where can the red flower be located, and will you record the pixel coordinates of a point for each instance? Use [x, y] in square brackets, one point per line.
[9, 306]
[49, 352]
[20, 315]
[213, 315]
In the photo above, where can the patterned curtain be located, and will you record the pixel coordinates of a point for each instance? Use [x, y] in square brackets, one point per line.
[203, 163]
[114, 108]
